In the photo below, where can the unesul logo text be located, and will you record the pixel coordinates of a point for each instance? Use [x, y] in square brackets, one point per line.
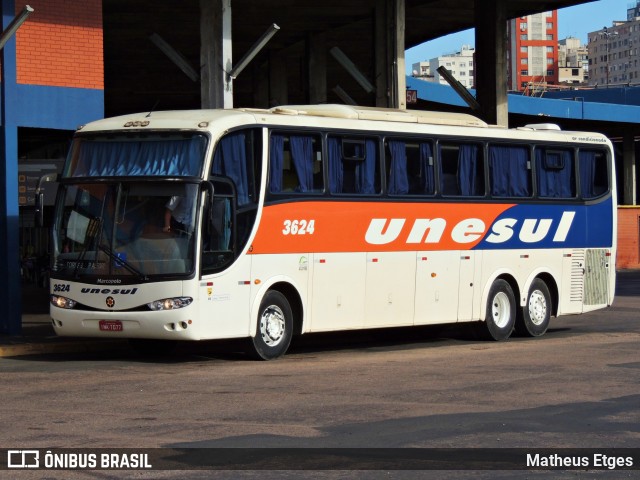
[382, 231]
[109, 291]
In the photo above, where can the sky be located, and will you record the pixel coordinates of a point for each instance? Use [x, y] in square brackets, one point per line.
[575, 21]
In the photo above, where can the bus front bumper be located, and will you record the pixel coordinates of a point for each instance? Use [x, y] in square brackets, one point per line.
[166, 325]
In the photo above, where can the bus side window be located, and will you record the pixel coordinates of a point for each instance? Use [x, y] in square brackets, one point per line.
[510, 171]
[461, 169]
[594, 177]
[353, 165]
[555, 172]
[295, 163]
[410, 167]
[236, 157]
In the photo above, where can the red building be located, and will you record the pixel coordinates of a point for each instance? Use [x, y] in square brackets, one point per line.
[533, 52]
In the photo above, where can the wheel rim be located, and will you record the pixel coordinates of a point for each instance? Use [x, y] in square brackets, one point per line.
[537, 307]
[272, 325]
[501, 310]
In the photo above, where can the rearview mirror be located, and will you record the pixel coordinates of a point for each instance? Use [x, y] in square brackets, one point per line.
[49, 177]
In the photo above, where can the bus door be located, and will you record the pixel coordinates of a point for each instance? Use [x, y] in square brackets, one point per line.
[225, 286]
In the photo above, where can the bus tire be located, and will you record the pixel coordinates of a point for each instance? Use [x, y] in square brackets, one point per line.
[501, 312]
[274, 327]
[536, 314]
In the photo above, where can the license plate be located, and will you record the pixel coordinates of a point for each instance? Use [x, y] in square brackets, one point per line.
[110, 325]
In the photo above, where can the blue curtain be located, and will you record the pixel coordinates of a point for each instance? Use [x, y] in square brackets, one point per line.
[426, 162]
[302, 154]
[336, 176]
[230, 159]
[276, 161]
[587, 161]
[139, 158]
[508, 171]
[366, 170]
[468, 170]
[555, 180]
[398, 180]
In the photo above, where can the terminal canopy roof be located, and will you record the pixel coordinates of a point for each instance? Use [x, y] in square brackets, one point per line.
[138, 76]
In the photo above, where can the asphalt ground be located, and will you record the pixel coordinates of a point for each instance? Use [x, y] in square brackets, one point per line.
[576, 387]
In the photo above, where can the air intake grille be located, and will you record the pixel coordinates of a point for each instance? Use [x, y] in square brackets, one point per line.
[577, 275]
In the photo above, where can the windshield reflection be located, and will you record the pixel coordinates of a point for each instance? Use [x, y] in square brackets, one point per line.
[120, 230]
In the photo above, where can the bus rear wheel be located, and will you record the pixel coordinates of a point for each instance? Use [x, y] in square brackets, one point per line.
[501, 312]
[536, 314]
[274, 327]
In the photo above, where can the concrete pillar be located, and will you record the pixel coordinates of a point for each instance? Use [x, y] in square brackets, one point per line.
[216, 89]
[629, 189]
[11, 292]
[400, 83]
[317, 56]
[389, 45]
[491, 61]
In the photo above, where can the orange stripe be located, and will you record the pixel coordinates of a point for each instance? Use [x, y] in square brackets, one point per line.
[343, 226]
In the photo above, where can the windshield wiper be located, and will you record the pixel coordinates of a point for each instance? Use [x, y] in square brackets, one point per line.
[94, 226]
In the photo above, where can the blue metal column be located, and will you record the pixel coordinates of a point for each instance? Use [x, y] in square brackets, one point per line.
[10, 294]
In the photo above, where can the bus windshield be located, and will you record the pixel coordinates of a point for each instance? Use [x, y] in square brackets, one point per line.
[177, 154]
[127, 231]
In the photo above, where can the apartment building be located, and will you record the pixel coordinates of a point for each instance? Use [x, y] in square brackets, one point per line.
[614, 53]
[460, 64]
[573, 61]
[421, 70]
[533, 51]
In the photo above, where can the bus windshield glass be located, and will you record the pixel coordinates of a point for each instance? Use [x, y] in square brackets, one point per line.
[128, 231]
[137, 154]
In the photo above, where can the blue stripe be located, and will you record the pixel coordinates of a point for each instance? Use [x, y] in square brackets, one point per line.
[591, 227]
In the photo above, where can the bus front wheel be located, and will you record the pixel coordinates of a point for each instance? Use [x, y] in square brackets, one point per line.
[274, 327]
[536, 314]
[501, 312]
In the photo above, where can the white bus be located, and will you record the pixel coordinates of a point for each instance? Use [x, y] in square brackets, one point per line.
[328, 217]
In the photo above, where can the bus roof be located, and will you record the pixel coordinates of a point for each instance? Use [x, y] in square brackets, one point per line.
[170, 119]
[221, 120]
[383, 114]
[190, 119]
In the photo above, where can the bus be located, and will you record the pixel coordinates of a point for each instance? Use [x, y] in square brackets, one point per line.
[317, 218]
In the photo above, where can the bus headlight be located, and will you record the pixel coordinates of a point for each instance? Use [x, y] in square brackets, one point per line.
[62, 302]
[170, 303]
